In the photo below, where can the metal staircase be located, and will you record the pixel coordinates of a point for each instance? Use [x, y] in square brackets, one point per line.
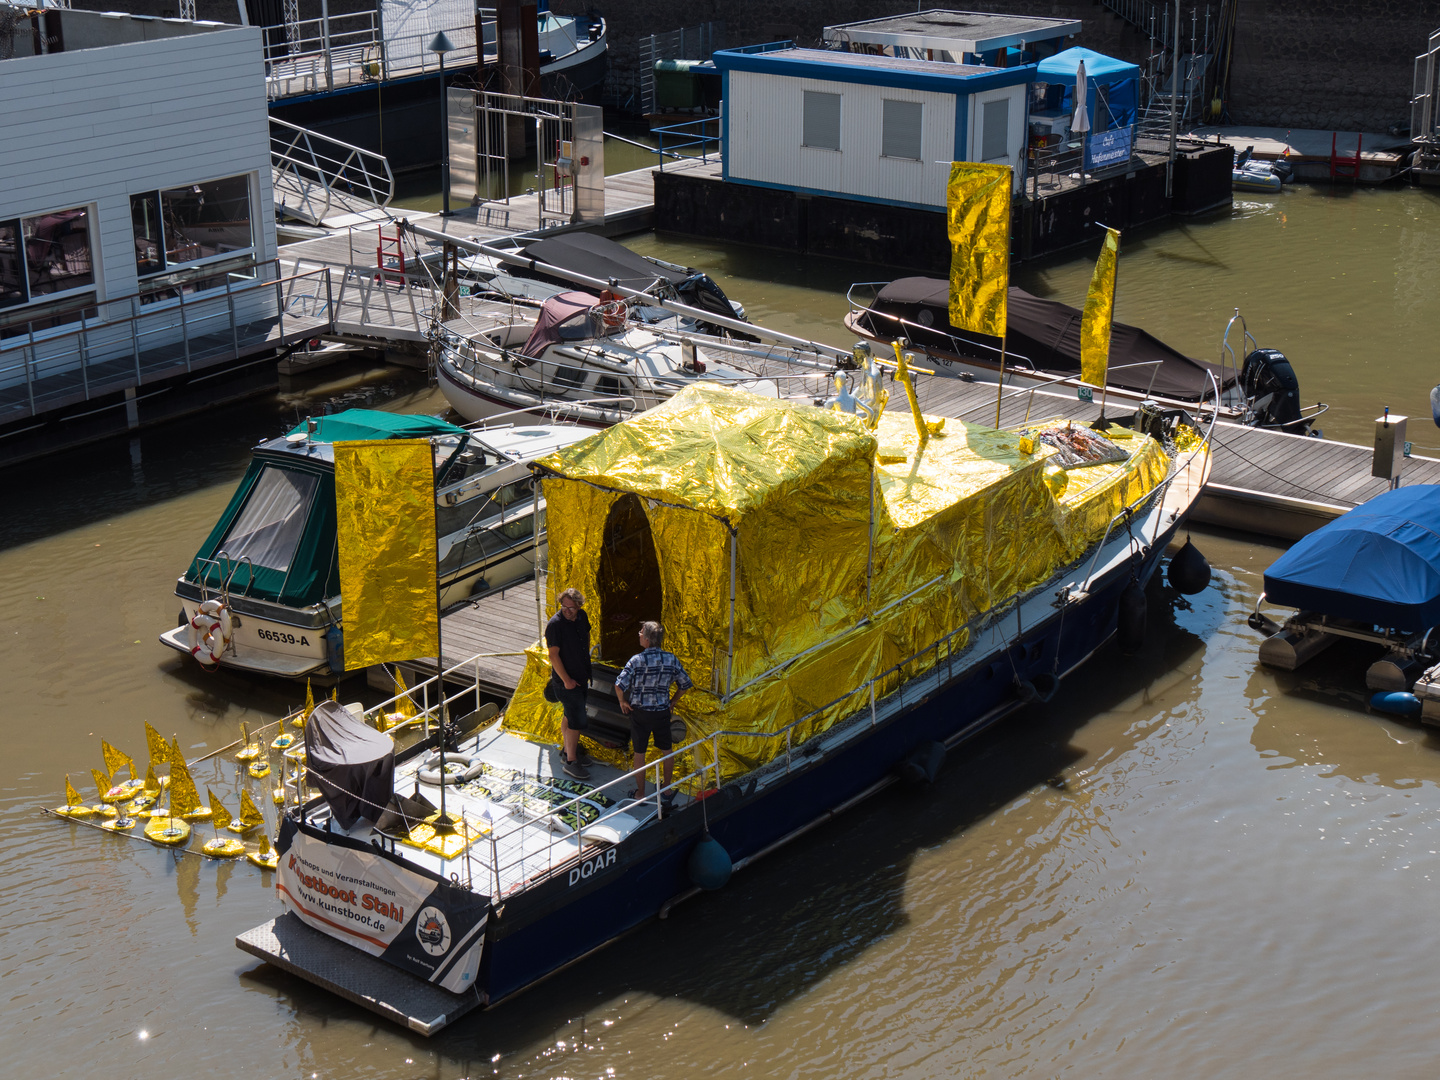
[323, 181]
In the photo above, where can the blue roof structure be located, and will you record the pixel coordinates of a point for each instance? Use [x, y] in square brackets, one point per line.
[1067, 63]
[1380, 563]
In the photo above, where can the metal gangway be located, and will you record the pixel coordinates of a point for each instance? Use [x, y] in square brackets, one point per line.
[323, 181]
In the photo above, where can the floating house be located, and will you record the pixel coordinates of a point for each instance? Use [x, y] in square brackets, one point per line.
[871, 128]
[137, 225]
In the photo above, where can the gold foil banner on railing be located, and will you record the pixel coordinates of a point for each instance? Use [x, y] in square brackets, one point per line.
[977, 213]
[385, 519]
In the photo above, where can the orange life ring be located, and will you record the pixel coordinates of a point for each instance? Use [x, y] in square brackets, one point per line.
[210, 633]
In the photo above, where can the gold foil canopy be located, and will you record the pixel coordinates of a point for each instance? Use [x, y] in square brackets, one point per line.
[853, 551]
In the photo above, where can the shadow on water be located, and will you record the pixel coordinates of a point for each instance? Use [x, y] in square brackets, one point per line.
[117, 475]
[778, 930]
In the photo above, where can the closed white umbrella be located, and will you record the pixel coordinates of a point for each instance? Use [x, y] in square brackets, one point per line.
[1081, 123]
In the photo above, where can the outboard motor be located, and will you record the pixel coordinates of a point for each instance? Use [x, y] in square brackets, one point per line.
[1269, 384]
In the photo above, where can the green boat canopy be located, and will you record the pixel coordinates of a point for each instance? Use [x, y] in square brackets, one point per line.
[354, 425]
[276, 538]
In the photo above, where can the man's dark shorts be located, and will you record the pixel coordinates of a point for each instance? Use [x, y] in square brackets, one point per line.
[572, 701]
[644, 723]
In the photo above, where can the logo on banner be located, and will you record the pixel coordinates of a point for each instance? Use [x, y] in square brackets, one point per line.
[433, 931]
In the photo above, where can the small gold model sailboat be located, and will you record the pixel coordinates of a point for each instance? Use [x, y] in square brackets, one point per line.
[250, 816]
[102, 785]
[184, 799]
[226, 847]
[259, 769]
[248, 751]
[267, 858]
[170, 831]
[404, 708]
[299, 719]
[144, 803]
[277, 793]
[74, 805]
[126, 789]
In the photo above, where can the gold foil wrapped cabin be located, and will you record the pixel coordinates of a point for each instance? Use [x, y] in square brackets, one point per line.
[793, 554]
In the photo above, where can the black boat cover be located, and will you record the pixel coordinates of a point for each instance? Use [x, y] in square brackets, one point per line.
[1379, 563]
[353, 765]
[1044, 332]
[597, 257]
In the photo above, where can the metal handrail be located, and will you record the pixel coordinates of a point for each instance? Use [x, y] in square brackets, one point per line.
[303, 159]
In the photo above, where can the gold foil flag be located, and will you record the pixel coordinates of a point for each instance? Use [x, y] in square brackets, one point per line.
[72, 797]
[385, 515]
[101, 782]
[159, 750]
[1099, 312]
[977, 213]
[250, 815]
[114, 759]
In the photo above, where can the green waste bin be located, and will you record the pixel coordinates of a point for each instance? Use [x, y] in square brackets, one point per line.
[677, 85]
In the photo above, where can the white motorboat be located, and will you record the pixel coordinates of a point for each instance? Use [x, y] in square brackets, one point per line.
[584, 360]
[262, 594]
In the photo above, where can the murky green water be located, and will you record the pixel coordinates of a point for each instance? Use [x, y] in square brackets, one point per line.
[1183, 866]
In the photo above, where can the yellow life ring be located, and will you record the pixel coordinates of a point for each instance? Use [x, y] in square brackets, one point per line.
[210, 633]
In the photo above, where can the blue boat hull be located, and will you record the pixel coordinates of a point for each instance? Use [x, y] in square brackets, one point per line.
[559, 921]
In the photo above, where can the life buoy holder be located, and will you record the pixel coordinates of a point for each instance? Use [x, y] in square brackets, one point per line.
[459, 769]
[210, 632]
[612, 310]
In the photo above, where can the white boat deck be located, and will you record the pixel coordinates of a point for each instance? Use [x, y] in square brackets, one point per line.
[512, 847]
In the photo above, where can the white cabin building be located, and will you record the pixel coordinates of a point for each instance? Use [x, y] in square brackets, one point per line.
[137, 225]
[872, 128]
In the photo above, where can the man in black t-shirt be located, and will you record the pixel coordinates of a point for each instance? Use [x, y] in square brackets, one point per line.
[567, 638]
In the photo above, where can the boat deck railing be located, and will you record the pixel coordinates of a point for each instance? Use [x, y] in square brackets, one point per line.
[313, 172]
[505, 860]
[685, 139]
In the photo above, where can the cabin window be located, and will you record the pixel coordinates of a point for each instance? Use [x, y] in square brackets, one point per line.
[267, 530]
[900, 129]
[178, 228]
[995, 130]
[821, 122]
[45, 255]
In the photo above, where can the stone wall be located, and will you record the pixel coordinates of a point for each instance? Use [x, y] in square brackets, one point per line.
[1343, 65]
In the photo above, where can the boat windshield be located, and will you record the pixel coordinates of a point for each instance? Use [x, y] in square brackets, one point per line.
[267, 531]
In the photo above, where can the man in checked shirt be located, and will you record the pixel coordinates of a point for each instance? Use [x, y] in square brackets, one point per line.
[643, 688]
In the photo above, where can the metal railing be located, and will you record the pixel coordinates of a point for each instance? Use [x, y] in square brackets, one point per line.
[689, 135]
[45, 369]
[314, 55]
[312, 172]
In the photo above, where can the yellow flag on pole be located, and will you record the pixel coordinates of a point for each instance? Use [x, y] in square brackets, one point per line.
[385, 514]
[977, 213]
[115, 759]
[1099, 313]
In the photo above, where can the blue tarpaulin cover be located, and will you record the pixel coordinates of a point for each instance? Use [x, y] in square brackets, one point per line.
[1118, 79]
[1380, 563]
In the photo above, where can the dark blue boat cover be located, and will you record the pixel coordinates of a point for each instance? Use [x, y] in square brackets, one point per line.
[1380, 563]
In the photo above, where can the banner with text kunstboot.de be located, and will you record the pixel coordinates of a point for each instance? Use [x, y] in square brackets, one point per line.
[426, 927]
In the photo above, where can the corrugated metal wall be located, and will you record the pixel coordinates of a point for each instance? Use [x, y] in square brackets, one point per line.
[93, 126]
[765, 114]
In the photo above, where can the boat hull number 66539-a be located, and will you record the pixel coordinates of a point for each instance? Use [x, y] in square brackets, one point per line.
[282, 639]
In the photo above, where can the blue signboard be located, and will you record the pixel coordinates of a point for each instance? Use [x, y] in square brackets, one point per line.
[1104, 149]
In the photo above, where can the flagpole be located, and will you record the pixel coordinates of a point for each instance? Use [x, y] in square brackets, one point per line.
[443, 824]
[1000, 390]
